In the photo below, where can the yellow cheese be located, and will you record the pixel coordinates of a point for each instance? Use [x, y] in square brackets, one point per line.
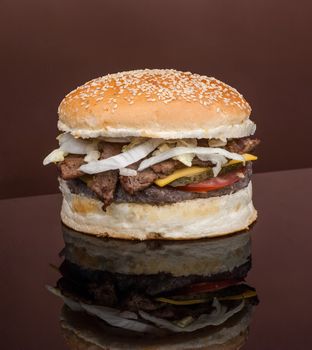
[248, 157]
[191, 171]
[244, 295]
[195, 170]
[181, 302]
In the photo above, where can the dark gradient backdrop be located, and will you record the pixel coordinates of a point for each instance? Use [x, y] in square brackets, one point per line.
[261, 47]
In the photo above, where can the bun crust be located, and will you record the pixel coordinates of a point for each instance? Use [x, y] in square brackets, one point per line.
[155, 103]
[191, 219]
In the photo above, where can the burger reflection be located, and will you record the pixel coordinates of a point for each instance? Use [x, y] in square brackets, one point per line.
[155, 294]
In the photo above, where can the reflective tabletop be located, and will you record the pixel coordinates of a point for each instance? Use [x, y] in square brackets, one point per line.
[31, 240]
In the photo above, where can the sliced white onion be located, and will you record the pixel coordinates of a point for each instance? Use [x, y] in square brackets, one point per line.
[218, 316]
[129, 314]
[121, 160]
[127, 172]
[128, 320]
[217, 159]
[55, 156]
[92, 156]
[185, 158]
[74, 305]
[72, 145]
[199, 151]
[112, 316]
[68, 144]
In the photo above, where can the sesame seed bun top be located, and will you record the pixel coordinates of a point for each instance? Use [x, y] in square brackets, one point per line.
[155, 103]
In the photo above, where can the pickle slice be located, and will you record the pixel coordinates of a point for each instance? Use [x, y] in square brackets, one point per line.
[204, 176]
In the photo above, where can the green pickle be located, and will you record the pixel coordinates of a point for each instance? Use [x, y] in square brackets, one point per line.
[204, 176]
[229, 168]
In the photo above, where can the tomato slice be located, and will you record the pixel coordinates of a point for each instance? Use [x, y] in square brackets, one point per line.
[209, 286]
[215, 183]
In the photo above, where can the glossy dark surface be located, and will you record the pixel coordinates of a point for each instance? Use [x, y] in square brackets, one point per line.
[282, 239]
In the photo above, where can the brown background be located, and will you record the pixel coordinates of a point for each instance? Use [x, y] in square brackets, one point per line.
[261, 47]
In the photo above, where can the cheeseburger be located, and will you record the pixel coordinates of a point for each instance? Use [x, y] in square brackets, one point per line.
[155, 154]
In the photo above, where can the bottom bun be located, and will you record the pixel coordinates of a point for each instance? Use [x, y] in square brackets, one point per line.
[192, 219]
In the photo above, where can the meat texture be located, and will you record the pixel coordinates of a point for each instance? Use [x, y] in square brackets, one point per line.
[166, 167]
[139, 182]
[109, 149]
[69, 167]
[202, 163]
[242, 145]
[102, 293]
[137, 301]
[104, 185]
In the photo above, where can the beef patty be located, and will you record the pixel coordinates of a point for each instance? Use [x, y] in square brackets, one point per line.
[161, 195]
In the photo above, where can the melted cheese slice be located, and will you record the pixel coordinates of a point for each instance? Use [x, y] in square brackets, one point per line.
[191, 171]
[248, 158]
